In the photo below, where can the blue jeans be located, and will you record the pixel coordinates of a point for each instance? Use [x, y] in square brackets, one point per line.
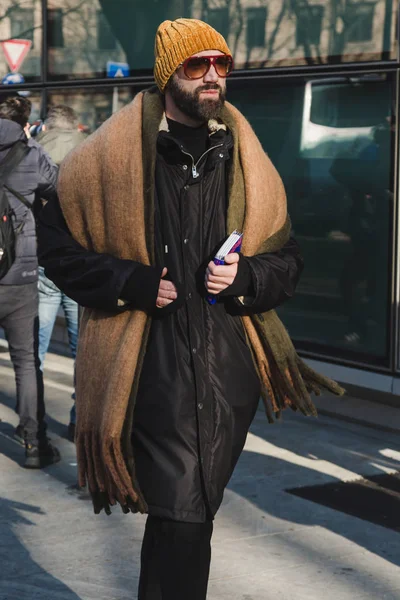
[50, 300]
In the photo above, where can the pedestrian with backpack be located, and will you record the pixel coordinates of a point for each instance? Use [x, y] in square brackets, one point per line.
[26, 172]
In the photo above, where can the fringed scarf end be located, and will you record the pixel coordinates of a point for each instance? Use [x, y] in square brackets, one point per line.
[317, 382]
[102, 467]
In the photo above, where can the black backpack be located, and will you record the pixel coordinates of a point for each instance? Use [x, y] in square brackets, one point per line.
[8, 231]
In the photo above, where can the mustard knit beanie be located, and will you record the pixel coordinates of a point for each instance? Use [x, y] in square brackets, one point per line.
[177, 40]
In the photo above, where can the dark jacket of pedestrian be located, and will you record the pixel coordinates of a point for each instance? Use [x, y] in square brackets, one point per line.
[35, 175]
[58, 142]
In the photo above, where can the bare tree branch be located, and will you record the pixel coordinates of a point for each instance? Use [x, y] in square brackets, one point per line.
[239, 29]
[29, 31]
[276, 28]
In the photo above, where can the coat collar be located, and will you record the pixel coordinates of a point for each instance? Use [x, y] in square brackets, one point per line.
[213, 125]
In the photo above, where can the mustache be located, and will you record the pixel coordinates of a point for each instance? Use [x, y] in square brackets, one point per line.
[208, 86]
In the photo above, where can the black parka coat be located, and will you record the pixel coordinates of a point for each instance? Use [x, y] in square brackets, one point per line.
[198, 388]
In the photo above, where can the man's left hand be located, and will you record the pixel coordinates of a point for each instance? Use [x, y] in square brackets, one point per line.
[219, 277]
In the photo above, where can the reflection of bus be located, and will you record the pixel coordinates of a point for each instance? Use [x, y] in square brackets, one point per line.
[339, 199]
[338, 121]
[334, 122]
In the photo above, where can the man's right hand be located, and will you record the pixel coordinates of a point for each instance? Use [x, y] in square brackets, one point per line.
[167, 291]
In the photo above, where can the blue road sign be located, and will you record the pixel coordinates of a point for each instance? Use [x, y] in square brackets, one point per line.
[13, 78]
[117, 69]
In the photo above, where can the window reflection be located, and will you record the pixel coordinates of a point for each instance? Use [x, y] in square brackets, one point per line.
[80, 39]
[93, 106]
[310, 32]
[23, 23]
[36, 100]
[22, 19]
[55, 31]
[84, 35]
[334, 151]
[97, 31]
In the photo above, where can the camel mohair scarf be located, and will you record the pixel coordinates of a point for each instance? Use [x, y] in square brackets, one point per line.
[106, 190]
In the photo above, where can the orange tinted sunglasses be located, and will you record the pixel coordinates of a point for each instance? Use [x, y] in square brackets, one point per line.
[197, 67]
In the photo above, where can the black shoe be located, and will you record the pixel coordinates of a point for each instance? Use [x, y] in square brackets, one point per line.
[71, 432]
[37, 457]
[19, 434]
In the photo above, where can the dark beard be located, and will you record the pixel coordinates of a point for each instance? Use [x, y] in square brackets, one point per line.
[191, 105]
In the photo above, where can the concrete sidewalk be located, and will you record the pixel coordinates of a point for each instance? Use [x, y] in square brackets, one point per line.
[268, 544]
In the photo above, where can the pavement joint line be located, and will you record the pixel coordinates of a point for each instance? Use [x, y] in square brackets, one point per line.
[259, 445]
[332, 559]
[385, 459]
[259, 536]
[11, 439]
[356, 421]
[389, 453]
[387, 470]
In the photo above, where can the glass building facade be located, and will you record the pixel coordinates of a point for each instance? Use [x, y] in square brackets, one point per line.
[319, 82]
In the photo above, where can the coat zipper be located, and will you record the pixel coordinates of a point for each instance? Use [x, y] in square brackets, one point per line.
[195, 172]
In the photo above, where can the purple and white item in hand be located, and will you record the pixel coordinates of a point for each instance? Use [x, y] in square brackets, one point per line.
[232, 244]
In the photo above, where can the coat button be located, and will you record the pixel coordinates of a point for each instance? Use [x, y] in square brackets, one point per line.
[188, 297]
[221, 155]
[186, 240]
[186, 187]
[200, 405]
[194, 350]
[184, 167]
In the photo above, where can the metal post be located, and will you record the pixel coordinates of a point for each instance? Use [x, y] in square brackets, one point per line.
[44, 104]
[115, 99]
[44, 57]
[394, 325]
[332, 28]
[387, 30]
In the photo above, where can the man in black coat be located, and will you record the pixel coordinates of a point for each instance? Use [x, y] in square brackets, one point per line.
[198, 389]
[36, 174]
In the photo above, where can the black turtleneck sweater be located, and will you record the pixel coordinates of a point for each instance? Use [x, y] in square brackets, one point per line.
[195, 140]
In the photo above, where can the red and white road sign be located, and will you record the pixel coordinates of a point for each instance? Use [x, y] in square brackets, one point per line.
[15, 52]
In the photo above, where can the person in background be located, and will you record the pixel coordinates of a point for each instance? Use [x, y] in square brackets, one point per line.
[35, 174]
[59, 136]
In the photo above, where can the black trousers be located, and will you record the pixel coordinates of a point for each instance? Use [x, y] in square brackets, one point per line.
[19, 319]
[175, 560]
